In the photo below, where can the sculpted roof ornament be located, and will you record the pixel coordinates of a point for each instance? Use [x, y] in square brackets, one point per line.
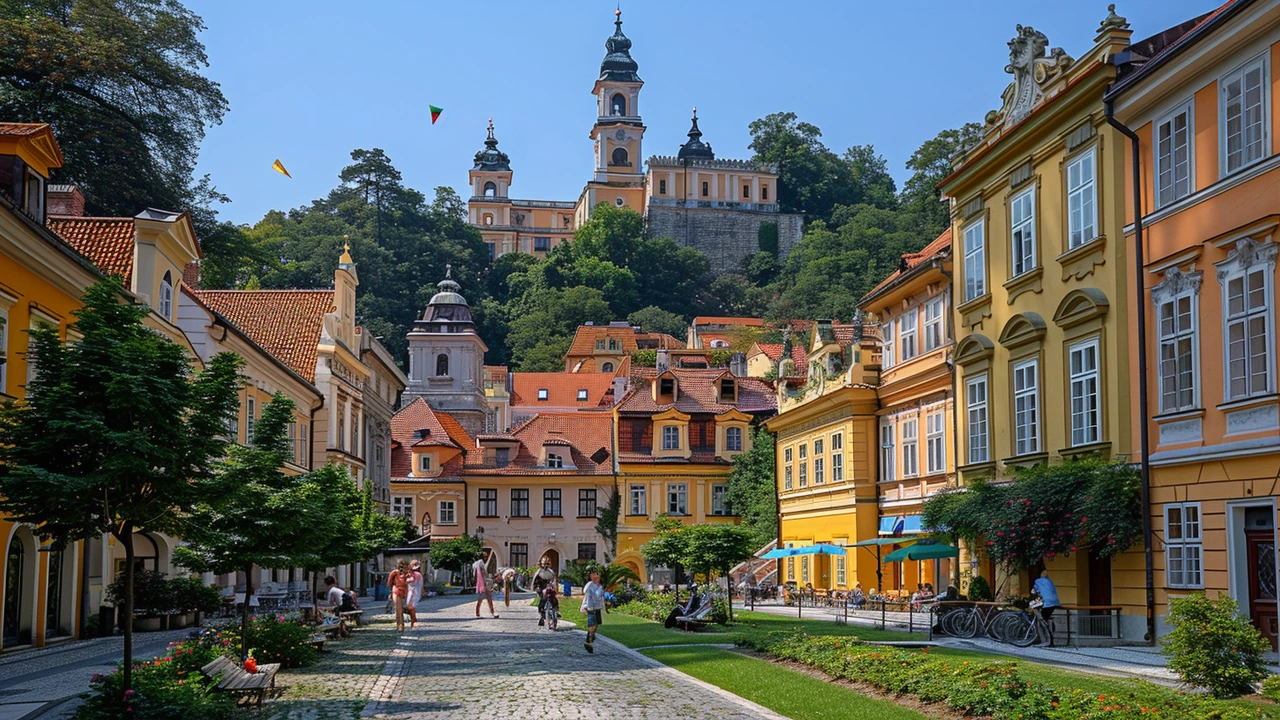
[1033, 72]
[618, 64]
[1112, 21]
[695, 148]
[491, 158]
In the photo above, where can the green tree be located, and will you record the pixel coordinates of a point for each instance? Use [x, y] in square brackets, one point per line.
[920, 200]
[497, 277]
[607, 517]
[545, 325]
[715, 549]
[669, 546]
[753, 488]
[654, 319]
[116, 434]
[455, 554]
[122, 85]
[871, 177]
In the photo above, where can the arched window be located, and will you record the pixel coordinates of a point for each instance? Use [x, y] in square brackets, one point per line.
[719, 343]
[618, 105]
[442, 365]
[164, 306]
[488, 219]
[607, 367]
[619, 157]
[490, 189]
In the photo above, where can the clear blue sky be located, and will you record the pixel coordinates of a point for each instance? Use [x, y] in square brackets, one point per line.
[310, 81]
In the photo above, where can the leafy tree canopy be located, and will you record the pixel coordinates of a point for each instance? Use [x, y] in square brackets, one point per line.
[654, 319]
[455, 554]
[753, 489]
[930, 164]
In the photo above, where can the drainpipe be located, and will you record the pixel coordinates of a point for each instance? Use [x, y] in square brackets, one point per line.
[1144, 430]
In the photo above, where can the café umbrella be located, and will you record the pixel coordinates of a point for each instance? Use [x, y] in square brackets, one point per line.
[816, 549]
[923, 551]
[878, 543]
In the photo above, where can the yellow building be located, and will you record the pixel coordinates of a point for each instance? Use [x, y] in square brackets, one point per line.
[1203, 104]
[428, 451]
[1043, 308]
[826, 434]
[917, 404]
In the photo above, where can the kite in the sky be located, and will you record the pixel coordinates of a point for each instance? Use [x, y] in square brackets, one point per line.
[279, 167]
[435, 113]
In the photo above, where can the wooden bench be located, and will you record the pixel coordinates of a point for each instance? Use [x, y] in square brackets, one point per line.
[697, 618]
[233, 679]
[318, 640]
[353, 616]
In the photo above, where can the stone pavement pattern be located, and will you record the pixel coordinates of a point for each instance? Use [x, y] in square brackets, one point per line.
[455, 666]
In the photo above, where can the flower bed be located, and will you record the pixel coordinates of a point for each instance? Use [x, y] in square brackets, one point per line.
[992, 689]
[657, 606]
[167, 688]
[272, 639]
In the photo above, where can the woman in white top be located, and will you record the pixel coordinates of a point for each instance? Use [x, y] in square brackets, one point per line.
[415, 592]
[593, 607]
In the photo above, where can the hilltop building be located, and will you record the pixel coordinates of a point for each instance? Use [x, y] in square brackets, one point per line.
[446, 359]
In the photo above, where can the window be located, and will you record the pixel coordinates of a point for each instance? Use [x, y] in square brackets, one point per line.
[975, 390]
[250, 422]
[490, 189]
[402, 507]
[1026, 407]
[550, 503]
[614, 344]
[975, 262]
[520, 502]
[424, 463]
[1246, 295]
[733, 439]
[764, 192]
[618, 201]
[791, 569]
[582, 396]
[555, 461]
[841, 578]
[493, 253]
[519, 554]
[618, 104]
[502, 457]
[442, 365]
[837, 457]
[1023, 224]
[639, 500]
[586, 552]
[542, 393]
[1086, 412]
[787, 469]
[304, 448]
[887, 345]
[446, 512]
[705, 189]
[1173, 156]
[728, 388]
[587, 503]
[667, 386]
[678, 498]
[888, 457]
[1177, 331]
[907, 335]
[804, 569]
[933, 327]
[1082, 207]
[607, 367]
[165, 304]
[804, 466]
[541, 244]
[488, 503]
[662, 187]
[1244, 100]
[1183, 545]
[935, 442]
[670, 437]
[488, 219]
[910, 447]
[619, 157]
[746, 192]
[718, 504]
[819, 471]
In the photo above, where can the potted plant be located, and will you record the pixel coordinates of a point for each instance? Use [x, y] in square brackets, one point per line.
[152, 599]
[193, 598]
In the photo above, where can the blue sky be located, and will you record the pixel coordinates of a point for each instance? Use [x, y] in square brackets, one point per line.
[308, 82]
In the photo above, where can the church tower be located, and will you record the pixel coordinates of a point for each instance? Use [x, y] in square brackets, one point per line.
[446, 358]
[489, 206]
[618, 131]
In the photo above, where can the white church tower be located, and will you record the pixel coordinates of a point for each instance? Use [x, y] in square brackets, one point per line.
[446, 358]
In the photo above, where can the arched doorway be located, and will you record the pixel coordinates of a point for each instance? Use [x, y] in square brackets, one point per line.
[20, 565]
[60, 595]
[552, 555]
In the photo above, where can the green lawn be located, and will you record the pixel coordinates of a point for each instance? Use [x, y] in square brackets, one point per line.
[780, 689]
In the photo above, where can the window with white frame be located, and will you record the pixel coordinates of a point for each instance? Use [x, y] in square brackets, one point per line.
[1183, 545]
[1082, 195]
[670, 437]
[447, 512]
[733, 439]
[787, 469]
[402, 506]
[165, 304]
[1026, 407]
[804, 465]
[935, 442]
[887, 347]
[424, 463]
[1246, 297]
[887, 451]
[1173, 156]
[1244, 110]
[639, 500]
[1022, 210]
[305, 451]
[555, 461]
[718, 504]
[975, 395]
[1086, 397]
[678, 498]
[934, 330]
[907, 334]
[1176, 306]
[841, 577]
[250, 420]
[910, 447]
[837, 457]
[975, 261]
[819, 470]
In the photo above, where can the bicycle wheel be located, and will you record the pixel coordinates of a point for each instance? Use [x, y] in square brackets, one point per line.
[969, 624]
[998, 626]
[1022, 632]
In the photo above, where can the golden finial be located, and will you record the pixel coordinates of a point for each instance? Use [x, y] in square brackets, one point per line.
[346, 251]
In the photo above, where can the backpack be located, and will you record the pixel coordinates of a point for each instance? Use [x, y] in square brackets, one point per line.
[348, 603]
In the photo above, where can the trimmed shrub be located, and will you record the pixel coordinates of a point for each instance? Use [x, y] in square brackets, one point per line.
[1271, 688]
[168, 688]
[1212, 646]
[152, 594]
[191, 595]
[980, 589]
[272, 639]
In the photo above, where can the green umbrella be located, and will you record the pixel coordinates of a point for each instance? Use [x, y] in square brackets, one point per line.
[923, 551]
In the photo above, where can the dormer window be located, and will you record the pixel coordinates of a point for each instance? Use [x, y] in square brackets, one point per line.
[542, 393]
[424, 463]
[728, 390]
[670, 437]
[600, 344]
[613, 344]
[554, 461]
[33, 203]
[667, 386]
[733, 439]
[165, 304]
[582, 396]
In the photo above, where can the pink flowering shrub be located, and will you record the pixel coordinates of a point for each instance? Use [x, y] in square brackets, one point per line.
[165, 688]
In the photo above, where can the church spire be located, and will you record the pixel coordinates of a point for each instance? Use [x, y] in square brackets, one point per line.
[618, 65]
[695, 148]
[491, 158]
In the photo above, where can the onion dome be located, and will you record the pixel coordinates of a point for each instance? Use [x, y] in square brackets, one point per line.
[491, 158]
[448, 311]
[695, 148]
[618, 65]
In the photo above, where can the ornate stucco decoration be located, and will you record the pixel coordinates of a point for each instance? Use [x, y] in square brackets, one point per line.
[1247, 254]
[1033, 72]
[1175, 283]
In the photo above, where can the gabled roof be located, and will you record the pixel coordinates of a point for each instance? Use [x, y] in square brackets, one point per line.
[285, 323]
[34, 142]
[108, 242]
[940, 245]
[589, 365]
[587, 435]
[562, 389]
[696, 390]
[1148, 54]
[443, 431]
[798, 355]
[584, 340]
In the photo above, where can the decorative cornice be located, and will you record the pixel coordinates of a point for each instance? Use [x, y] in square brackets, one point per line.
[1246, 254]
[1175, 283]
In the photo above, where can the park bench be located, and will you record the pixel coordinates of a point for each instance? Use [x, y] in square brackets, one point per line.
[234, 679]
[697, 618]
[353, 616]
[318, 640]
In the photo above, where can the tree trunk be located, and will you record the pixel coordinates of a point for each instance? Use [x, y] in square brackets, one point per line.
[244, 614]
[125, 536]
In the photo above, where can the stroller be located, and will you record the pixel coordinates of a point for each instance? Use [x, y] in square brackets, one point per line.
[551, 607]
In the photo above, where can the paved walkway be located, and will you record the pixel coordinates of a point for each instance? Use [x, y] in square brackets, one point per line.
[457, 666]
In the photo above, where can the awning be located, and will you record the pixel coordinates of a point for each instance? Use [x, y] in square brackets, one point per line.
[899, 524]
[818, 549]
[923, 551]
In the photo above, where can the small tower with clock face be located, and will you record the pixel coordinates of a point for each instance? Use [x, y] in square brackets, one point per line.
[618, 130]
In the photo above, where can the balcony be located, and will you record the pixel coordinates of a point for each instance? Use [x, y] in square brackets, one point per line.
[713, 204]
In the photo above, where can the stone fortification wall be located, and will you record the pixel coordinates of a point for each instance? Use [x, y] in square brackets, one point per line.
[725, 236]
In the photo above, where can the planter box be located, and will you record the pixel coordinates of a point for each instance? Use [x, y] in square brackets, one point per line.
[182, 620]
[148, 624]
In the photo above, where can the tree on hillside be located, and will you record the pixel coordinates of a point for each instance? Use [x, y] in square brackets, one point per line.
[542, 329]
[116, 433]
[498, 276]
[753, 489]
[930, 164]
[871, 178]
[122, 85]
[654, 319]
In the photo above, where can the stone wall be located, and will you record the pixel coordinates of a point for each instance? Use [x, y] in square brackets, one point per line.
[725, 236]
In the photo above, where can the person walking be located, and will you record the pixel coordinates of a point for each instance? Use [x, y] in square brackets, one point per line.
[593, 607]
[415, 593]
[541, 579]
[1048, 593]
[398, 581]
[484, 584]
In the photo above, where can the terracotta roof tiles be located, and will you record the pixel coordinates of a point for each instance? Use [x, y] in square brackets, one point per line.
[562, 389]
[696, 393]
[443, 431]
[940, 244]
[589, 437]
[285, 323]
[108, 243]
[584, 340]
[12, 129]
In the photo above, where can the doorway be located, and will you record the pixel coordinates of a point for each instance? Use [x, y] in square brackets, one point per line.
[1251, 545]
[1261, 547]
[553, 556]
[19, 588]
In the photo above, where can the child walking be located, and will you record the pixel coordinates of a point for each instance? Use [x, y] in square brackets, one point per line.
[593, 607]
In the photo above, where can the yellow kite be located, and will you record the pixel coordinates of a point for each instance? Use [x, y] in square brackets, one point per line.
[279, 167]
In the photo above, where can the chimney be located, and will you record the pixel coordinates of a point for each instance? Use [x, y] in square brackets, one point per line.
[191, 275]
[65, 200]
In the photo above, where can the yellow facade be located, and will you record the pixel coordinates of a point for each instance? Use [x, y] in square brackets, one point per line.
[1041, 290]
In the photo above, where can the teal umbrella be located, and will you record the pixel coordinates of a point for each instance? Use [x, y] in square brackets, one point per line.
[923, 551]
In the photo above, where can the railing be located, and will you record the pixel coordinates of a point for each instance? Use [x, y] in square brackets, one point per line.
[713, 204]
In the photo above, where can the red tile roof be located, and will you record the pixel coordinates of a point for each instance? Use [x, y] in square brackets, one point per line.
[696, 390]
[584, 340]
[12, 129]
[285, 323]
[108, 243]
[799, 357]
[589, 365]
[443, 431]
[589, 436]
[714, 320]
[940, 244]
[562, 389]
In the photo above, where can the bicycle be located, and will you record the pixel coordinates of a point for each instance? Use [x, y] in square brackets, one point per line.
[553, 617]
[1024, 628]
